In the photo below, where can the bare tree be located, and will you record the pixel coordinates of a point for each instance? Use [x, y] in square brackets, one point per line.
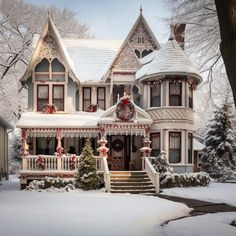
[19, 21]
[226, 11]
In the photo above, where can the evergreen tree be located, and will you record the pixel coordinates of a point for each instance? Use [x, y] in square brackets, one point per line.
[219, 158]
[87, 178]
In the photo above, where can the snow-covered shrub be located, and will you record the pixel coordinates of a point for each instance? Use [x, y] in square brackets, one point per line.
[87, 177]
[169, 179]
[219, 157]
[50, 182]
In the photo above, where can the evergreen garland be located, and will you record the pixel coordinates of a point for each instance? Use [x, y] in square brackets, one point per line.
[219, 158]
[87, 177]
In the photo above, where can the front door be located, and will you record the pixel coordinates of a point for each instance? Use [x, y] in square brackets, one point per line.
[119, 152]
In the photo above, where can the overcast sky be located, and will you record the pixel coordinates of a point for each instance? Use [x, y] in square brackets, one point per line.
[113, 19]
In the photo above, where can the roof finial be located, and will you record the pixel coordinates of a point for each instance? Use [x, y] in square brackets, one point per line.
[172, 34]
[141, 9]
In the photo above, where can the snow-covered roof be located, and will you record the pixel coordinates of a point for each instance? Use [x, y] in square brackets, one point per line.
[91, 57]
[197, 145]
[5, 123]
[60, 120]
[169, 60]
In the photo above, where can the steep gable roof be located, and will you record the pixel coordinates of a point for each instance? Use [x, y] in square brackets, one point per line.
[140, 22]
[48, 36]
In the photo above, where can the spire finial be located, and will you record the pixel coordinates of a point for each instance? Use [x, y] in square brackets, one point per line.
[172, 35]
[141, 9]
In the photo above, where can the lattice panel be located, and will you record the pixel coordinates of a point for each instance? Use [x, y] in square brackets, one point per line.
[171, 114]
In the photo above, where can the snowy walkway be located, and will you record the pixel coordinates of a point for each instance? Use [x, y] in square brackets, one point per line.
[215, 192]
[82, 213]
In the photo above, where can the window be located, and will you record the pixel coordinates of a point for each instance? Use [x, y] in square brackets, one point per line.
[174, 147]
[156, 96]
[137, 52]
[118, 91]
[86, 98]
[58, 97]
[175, 93]
[42, 96]
[190, 148]
[50, 70]
[156, 143]
[190, 97]
[146, 52]
[101, 98]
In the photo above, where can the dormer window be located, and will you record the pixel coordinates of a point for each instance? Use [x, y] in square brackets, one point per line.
[50, 71]
[50, 78]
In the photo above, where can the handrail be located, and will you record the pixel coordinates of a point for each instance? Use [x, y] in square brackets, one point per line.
[153, 175]
[106, 174]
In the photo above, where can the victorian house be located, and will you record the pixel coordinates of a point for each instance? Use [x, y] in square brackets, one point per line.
[123, 93]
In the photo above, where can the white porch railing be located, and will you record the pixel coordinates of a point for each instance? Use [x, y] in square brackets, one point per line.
[151, 172]
[29, 163]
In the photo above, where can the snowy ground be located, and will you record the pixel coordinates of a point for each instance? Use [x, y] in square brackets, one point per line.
[206, 225]
[96, 213]
[82, 213]
[215, 192]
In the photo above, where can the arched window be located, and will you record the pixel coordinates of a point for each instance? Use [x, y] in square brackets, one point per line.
[137, 52]
[42, 71]
[58, 70]
[146, 52]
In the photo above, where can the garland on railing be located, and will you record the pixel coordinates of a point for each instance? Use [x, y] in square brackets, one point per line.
[73, 162]
[40, 163]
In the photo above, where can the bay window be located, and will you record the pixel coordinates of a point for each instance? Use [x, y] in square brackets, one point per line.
[155, 96]
[190, 148]
[174, 147]
[155, 144]
[175, 93]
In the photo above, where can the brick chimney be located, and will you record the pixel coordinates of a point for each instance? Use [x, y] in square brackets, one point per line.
[179, 32]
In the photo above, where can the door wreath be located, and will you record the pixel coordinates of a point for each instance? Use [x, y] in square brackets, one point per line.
[117, 145]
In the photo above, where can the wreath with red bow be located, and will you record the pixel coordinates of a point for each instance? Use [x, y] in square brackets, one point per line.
[125, 109]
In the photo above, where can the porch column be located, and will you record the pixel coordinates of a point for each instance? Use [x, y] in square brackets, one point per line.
[59, 147]
[25, 146]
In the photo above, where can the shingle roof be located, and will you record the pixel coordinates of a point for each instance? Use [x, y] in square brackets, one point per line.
[169, 60]
[5, 123]
[91, 57]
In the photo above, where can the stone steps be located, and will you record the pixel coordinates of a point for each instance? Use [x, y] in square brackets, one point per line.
[136, 182]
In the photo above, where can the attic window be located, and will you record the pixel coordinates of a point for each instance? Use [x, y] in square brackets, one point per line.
[137, 52]
[146, 52]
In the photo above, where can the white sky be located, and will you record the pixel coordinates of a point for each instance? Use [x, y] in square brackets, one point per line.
[113, 19]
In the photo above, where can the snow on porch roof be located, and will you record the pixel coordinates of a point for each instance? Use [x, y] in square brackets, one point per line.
[91, 57]
[75, 120]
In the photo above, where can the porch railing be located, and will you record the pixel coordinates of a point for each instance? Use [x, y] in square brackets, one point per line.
[53, 163]
[151, 172]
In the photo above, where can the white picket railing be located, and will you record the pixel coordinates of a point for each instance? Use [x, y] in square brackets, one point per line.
[151, 172]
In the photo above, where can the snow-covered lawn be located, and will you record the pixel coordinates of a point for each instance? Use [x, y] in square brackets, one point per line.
[206, 225]
[26, 213]
[215, 192]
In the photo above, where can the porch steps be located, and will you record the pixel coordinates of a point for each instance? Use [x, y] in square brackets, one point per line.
[136, 182]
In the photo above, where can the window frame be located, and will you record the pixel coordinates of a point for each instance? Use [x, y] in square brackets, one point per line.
[151, 92]
[104, 99]
[42, 85]
[63, 98]
[157, 134]
[175, 95]
[180, 144]
[190, 97]
[90, 99]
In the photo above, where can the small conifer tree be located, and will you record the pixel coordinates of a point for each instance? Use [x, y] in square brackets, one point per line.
[87, 177]
[219, 158]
